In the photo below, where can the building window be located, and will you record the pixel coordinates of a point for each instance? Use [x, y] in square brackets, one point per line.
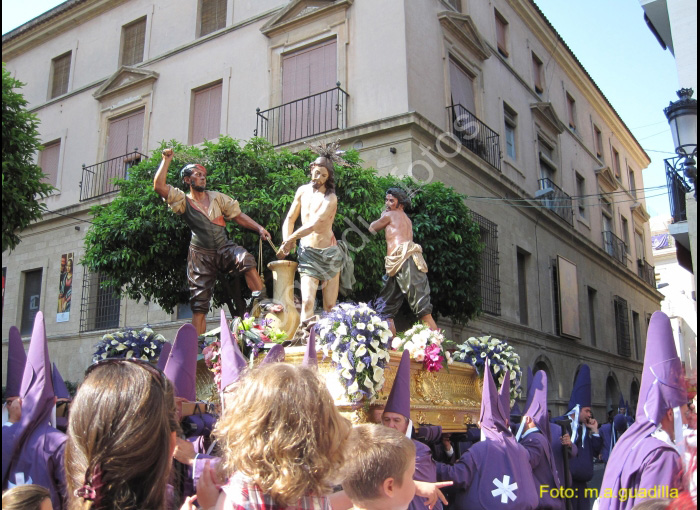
[490, 282]
[212, 16]
[581, 195]
[31, 300]
[622, 327]
[571, 110]
[99, 305]
[616, 165]
[48, 160]
[462, 88]
[60, 73]
[206, 114]
[456, 4]
[501, 34]
[633, 184]
[555, 299]
[538, 74]
[598, 142]
[522, 261]
[592, 315]
[637, 334]
[625, 233]
[510, 119]
[547, 155]
[133, 42]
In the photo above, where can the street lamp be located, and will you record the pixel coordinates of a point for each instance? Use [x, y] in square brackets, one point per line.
[682, 116]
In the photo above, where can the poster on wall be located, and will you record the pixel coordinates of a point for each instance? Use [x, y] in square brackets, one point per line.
[568, 298]
[65, 288]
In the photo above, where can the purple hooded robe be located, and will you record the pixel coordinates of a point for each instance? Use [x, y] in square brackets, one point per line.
[536, 442]
[495, 472]
[32, 450]
[399, 401]
[610, 433]
[640, 461]
[62, 393]
[16, 359]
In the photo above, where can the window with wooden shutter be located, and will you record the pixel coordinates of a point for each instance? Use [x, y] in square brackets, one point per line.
[622, 327]
[60, 74]
[501, 34]
[598, 141]
[510, 118]
[616, 164]
[462, 87]
[212, 16]
[133, 41]
[571, 110]
[48, 160]
[538, 73]
[206, 114]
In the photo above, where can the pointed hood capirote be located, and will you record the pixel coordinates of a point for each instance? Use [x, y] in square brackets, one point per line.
[494, 407]
[59, 385]
[164, 353]
[181, 367]
[399, 400]
[310, 358]
[274, 355]
[233, 364]
[536, 406]
[662, 389]
[16, 359]
[621, 404]
[581, 392]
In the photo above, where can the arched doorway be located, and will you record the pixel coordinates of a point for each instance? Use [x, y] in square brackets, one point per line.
[612, 397]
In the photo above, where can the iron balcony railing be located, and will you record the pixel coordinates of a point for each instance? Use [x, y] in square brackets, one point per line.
[615, 247]
[475, 135]
[98, 179]
[554, 199]
[677, 189]
[646, 272]
[305, 117]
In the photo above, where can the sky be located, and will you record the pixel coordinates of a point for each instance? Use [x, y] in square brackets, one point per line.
[612, 42]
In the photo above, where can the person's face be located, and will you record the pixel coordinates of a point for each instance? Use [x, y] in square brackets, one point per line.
[391, 203]
[395, 421]
[319, 176]
[376, 415]
[69, 266]
[407, 491]
[585, 415]
[198, 179]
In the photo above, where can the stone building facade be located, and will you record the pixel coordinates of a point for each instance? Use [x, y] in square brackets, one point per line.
[483, 96]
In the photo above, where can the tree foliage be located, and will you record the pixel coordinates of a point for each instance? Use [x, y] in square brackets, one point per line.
[22, 179]
[140, 246]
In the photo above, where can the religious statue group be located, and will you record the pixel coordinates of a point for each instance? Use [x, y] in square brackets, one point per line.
[323, 260]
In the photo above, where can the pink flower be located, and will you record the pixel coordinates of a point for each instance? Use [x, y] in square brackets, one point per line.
[433, 358]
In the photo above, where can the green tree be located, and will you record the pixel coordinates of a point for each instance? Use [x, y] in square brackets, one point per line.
[22, 180]
[141, 247]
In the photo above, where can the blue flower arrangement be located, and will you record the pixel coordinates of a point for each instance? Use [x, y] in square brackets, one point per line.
[127, 343]
[357, 339]
[501, 355]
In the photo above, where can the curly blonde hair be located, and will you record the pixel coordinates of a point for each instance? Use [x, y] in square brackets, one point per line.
[284, 432]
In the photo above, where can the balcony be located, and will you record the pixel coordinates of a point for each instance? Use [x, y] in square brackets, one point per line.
[309, 116]
[677, 189]
[615, 247]
[475, 135]
[646, 272]
[98, 179]
[554, 199]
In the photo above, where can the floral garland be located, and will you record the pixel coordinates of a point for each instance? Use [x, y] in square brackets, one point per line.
[425, 346]
[501, 356]
[252, 334]
[357, 339]
[128, 343]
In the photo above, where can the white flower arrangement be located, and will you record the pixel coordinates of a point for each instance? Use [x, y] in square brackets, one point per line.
[501, 355]
[357, 340]
[128, 343]
[425, 346]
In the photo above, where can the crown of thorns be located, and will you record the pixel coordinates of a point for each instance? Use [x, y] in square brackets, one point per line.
[330, 151]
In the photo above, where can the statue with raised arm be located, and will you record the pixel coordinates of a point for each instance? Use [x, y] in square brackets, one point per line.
[206, 213]
[321, 258]
[405, 266]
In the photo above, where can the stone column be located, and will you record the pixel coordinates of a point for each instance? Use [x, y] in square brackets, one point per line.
[283, 272]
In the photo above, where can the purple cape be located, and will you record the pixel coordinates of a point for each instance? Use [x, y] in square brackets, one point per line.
[640, 461]
[32, 450]
[16, 359]
[495, 472]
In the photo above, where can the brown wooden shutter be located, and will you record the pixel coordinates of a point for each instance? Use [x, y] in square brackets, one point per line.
[134, 38]
[61, 73]
[49, 162]
[537, 72]
[501, 29]
[206, 115]
[213, 16]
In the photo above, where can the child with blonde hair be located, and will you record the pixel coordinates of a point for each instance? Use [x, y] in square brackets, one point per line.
[283, 442]
[379, 469]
